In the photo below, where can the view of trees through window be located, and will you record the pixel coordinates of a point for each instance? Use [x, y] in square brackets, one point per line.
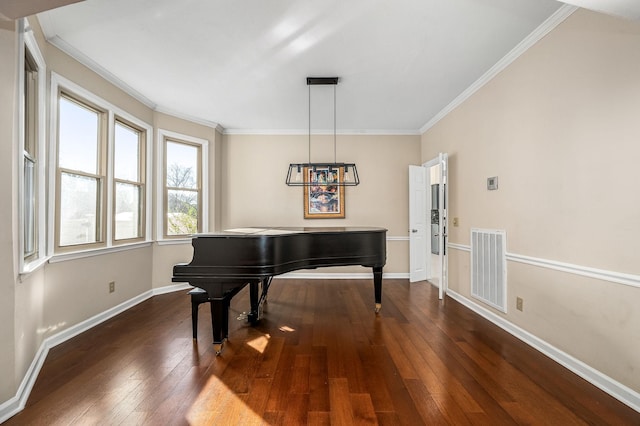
[183, 188]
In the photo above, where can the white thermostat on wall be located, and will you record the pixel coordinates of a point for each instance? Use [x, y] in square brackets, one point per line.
[492, 183]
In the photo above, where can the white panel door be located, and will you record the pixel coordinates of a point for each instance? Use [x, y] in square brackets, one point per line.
[417, 223]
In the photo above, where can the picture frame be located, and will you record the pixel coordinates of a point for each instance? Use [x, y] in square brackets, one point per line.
[323, 198]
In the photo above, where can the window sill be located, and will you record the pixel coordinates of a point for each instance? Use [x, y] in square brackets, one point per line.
[63, 257]
[31, 267]
[174, 241]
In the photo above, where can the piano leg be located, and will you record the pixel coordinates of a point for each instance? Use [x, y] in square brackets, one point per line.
[377, 286]
[258, 298]
[220, 321]
[220, 317]
[253, 316]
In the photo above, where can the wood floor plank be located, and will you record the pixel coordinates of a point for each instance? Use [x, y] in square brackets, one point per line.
[363, 411]
[318, 381]
[318, 418]
[319, 356]
[376, 384]
[426, 406]
[341, 413]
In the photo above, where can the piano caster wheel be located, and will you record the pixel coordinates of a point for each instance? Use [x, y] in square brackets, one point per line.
[218, 348]
[378, 307]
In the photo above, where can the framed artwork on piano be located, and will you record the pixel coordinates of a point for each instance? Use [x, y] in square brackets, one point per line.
[323, 199]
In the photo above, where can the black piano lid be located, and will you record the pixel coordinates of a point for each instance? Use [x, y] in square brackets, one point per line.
[284, 230]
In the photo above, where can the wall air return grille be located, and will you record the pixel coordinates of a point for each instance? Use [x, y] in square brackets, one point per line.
[489, 267]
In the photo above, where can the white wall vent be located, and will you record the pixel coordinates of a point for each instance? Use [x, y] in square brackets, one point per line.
[489, 267]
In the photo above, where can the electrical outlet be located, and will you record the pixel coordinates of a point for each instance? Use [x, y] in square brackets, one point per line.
[519, 303]
[112, 286]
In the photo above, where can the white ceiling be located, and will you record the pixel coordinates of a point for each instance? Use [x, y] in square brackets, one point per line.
[243, 64]
[628, 9]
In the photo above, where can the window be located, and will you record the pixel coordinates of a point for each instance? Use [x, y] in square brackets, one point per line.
[184, 185]
[30, 180]
[81, 176]
[31, 149]
[128, 223]
[101, 172]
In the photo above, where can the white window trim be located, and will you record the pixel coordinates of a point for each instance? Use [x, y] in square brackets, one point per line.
[204, 146]
[27, 41]
[57, 82]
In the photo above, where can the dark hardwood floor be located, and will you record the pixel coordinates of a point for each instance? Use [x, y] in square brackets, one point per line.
[319, 356]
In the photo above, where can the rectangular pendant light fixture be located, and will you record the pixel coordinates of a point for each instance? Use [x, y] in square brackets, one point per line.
[311, 174]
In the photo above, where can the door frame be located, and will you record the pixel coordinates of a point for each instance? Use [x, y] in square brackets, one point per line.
[443, 280]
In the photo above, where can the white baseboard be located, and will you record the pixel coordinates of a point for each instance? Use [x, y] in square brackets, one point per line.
[614, 388]
[16, 404]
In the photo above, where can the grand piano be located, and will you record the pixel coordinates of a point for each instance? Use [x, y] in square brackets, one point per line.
[225, 262]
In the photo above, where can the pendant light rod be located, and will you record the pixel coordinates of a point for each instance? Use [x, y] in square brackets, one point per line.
[311, 81]
[315, 81]
[309, 109]
[334, 124]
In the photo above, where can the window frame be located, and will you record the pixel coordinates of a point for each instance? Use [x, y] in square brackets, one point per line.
[113, 114]
[165, 136]
[140, 183]
[100, 176]
[27, 46]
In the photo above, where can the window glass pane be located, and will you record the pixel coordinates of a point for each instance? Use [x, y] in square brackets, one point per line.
[127, 211]
[182, 212]
[30, 104]
[29, 207]
[78, 140]
[182, 165]
[78, 209]
[127, 153]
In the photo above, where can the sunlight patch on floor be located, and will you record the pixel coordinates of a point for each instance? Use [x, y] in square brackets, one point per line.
[217, 404]
[259, 343]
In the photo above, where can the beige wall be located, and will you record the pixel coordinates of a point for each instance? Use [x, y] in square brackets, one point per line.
[254, 192]
[560, 128]
[8, 67]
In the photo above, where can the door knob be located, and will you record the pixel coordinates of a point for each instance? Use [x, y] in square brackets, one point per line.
[414, 230]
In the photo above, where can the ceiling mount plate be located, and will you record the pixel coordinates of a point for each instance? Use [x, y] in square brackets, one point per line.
[322, 80]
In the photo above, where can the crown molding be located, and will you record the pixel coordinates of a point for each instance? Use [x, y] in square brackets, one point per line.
[100, 70]
[190, 118]
[547, 26]
[299, 132]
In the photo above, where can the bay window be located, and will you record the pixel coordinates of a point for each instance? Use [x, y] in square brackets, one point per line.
[101, 172]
